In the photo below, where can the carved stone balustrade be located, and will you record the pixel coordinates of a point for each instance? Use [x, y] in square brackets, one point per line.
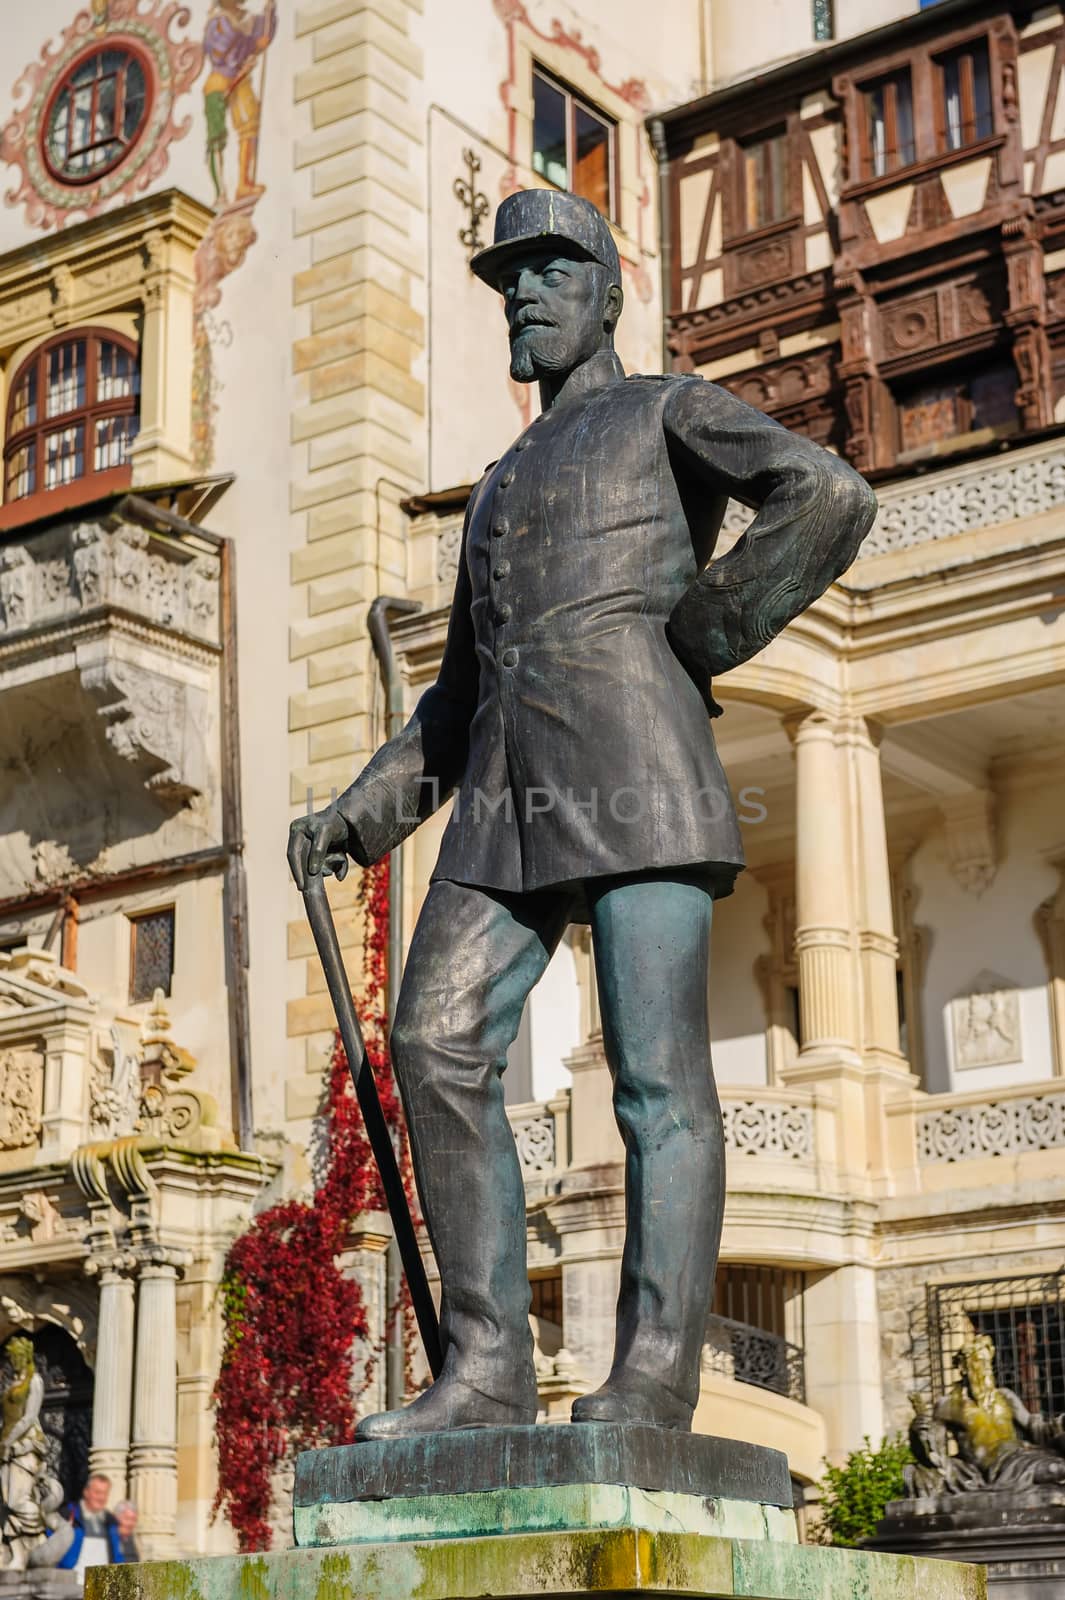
[986, 493]
[541, 1133]
[996, 1126]
[110, 645]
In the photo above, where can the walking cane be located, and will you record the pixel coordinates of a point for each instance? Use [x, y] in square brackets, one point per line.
[320, 918]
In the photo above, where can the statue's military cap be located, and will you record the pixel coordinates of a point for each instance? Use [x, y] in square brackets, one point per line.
[534, 219]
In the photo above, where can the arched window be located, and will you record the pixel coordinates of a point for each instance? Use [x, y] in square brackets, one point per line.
[95, 115]
[73, 414]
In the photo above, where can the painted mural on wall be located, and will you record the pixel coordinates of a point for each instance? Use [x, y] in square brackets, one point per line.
[236, 40]
[96, 116]
[98, 112]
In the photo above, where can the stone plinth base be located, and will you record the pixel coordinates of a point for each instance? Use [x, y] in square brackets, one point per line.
[619, 1562]
[499, 1481]
[482, 1460]
[1018, 1535]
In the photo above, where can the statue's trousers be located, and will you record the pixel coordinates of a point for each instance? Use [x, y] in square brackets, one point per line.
[475, 956]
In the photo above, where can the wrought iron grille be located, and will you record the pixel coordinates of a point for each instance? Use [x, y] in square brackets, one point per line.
[751, 1355]
[1025, 1319]
[756, 1332]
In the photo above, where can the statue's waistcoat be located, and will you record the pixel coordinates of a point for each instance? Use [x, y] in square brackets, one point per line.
[591, 750]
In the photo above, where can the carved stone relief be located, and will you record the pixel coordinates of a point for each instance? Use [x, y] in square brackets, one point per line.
[986, 1024]
[77, 567]
[21, 1080]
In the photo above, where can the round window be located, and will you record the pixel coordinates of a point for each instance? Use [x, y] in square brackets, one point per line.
[95, 115]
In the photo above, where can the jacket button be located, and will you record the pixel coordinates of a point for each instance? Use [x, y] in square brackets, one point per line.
[504, 613]
[498, 530]
[506, 480]
[509, 657]
[523, 444]
[501, 570]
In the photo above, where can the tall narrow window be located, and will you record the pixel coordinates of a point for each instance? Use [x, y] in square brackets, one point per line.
[887, 141]
[573, 144]
[765, 181]
[964, 109]
[151, 954]
[73, 413]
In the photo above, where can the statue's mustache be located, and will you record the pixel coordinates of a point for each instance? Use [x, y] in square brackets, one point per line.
[529, 319]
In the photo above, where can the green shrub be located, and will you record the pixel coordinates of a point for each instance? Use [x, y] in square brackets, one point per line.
[855, 1495]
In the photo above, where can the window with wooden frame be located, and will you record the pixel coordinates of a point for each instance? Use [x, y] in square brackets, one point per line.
[96, 114]
[764, 180]
[886, 136]
[72, 415]
[963, 99]
[574, 144]
[151, 954]
[935, 413]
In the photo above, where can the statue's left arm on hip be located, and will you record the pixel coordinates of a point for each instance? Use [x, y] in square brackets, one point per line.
[812, 513]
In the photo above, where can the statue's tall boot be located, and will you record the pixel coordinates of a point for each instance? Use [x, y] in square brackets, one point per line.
[651, 940]
[472, 963]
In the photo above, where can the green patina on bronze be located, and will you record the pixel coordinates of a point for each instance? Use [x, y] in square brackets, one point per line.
[553, 1508]
[624, 1561]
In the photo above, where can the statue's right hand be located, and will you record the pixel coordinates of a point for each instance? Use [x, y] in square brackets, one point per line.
[311, 839]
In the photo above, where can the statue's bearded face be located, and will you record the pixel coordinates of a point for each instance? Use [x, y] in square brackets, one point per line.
[559, 313]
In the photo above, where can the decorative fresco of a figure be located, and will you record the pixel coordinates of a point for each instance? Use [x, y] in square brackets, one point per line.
[234, 42]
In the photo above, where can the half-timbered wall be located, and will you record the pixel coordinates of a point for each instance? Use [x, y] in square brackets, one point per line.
[899, 306]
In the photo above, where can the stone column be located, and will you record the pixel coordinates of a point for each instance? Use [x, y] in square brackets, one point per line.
[843, 1380]
[878, 948]
[153, 1455]
[823, 900]
[112, 1378]
[365, 1260]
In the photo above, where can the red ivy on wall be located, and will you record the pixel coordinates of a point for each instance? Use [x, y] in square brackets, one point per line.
[290, 1315]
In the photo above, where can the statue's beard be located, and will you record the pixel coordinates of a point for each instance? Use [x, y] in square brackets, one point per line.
[542, 352]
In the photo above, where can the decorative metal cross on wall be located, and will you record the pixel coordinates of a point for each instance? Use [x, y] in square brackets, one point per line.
[476, 203]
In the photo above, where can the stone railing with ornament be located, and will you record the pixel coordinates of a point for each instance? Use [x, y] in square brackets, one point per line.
[761, 1125]
[1007, 1125]
[80, 567]
[978, 494]
[541, 1133]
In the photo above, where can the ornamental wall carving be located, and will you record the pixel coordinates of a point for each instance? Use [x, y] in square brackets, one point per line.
[79, 567]
[986, 1024]
[132, 617]
[21, 1087]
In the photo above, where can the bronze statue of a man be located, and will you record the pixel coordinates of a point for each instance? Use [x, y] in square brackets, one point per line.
[571, 721]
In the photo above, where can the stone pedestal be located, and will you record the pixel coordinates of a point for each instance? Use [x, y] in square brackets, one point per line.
[1018, 1535]
[620, 1562]
[509, 1513]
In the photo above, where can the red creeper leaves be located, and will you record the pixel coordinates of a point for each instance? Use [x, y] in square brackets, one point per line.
[290, 1316]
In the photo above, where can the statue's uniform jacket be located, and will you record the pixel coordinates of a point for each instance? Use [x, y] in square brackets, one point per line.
[578, 743]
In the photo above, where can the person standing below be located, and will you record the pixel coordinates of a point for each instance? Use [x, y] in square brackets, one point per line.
[126, 1522]
[84, 1535]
